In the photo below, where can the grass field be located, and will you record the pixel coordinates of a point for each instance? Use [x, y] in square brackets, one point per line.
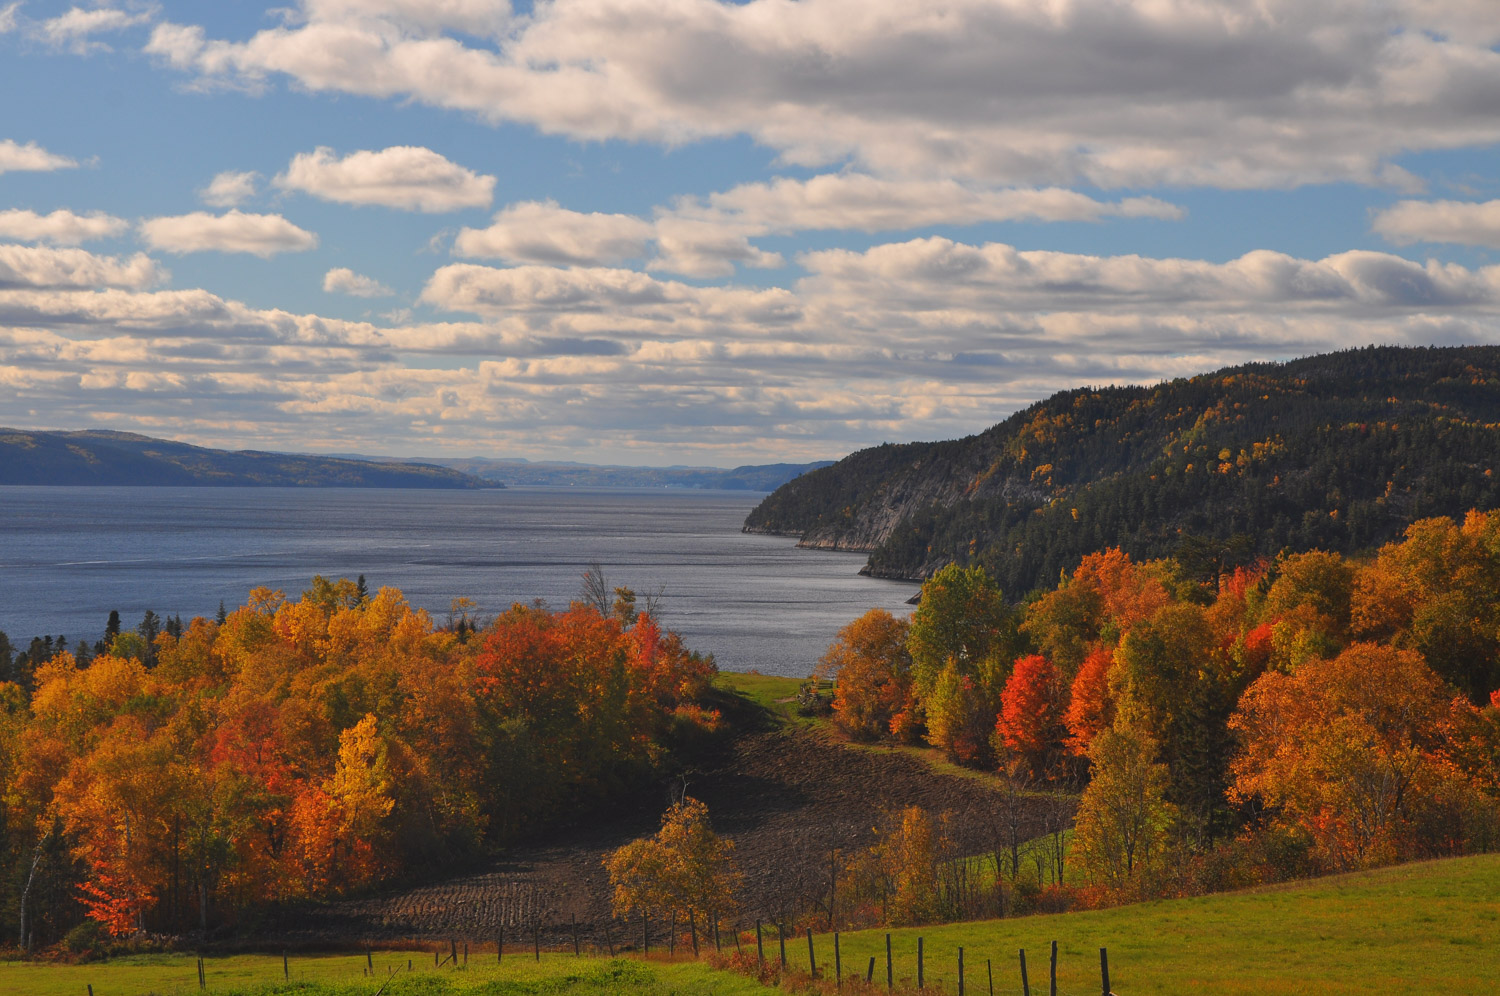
[341, 974]
[1422, 928]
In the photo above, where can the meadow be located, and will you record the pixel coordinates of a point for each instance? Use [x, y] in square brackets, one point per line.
[1418, 928]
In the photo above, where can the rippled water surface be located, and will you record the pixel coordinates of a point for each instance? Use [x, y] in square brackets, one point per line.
[69, 555]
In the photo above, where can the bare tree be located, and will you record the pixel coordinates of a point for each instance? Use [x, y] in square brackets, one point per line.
[595, 592]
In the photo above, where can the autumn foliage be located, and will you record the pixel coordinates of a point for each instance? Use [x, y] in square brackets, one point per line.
[309, 748]
[1311, 712]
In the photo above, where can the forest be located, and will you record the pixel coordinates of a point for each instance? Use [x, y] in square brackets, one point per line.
[1338, 452]
[1305, 714]
[301, 749]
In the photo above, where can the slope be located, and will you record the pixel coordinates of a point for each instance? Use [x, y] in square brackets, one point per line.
[120, 458]
[1339, 452]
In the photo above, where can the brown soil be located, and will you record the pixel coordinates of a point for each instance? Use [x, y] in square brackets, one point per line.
[787, 797]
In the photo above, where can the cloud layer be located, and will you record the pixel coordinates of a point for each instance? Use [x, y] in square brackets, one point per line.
[1114, 92]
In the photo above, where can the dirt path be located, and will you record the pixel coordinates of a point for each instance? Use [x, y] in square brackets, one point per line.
[786, 797]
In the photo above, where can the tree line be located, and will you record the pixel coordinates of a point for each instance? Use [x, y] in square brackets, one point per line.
[1302, 714]
[304, 748]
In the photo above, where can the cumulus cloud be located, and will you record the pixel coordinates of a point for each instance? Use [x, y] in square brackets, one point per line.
[543, 232]
[36, 267]
[411, 178]
[1462, 222]
[475, 17]
[262, 235]
[74, 30]
[342, 280]
[61, 227]
[229, 189]
[1115, 92]
[15, 157]
[937, 272]
[8, 17]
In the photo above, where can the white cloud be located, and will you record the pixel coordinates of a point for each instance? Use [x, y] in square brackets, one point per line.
[408, 177]
[343, 280]
[35, 267]
[937, 273]
[8, 17]
[1462, 222]
[542, 232]
[229, 189]
[1019, 92]
[61, 227]
[705, 249]
[262, 235]
[75, 29]
[15, 157]
[859, 202]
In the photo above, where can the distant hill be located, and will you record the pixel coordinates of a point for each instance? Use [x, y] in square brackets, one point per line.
[1338, 452]
[122, 458]
[765, 477]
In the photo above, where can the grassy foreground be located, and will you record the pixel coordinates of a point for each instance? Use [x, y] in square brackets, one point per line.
[345, 975]
[1416, 929]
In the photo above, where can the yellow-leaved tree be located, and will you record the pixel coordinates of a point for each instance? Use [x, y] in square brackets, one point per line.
[686, 867]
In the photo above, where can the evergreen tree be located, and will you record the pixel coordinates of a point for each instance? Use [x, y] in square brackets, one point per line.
[222, 615]
[112, 628]
[150, 629]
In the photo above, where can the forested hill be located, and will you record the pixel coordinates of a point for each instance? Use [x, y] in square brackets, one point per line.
[1337, 452]
[97, 457]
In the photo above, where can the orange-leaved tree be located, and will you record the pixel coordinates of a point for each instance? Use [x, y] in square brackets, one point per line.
[871, 671]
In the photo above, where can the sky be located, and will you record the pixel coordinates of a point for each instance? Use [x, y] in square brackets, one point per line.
[713, 233]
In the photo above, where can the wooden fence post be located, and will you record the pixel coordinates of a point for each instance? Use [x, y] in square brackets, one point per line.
[781, 939]
[812, 959]
[577, 952]
[693, 930]
[536, 938]
[921, 978]
[870, 972]
[890, 973]
[1025, 983]
[453, 951]
[989, 972]
[466, 954]
[369, 959]
[960, 972]
[672, 937]
[500, 944]
[760, 950]
[1104, 969]
[645, 935]
[1052, 974]
[838, 963]
[286, 971]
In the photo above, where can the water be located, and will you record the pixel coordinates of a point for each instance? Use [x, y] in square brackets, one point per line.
[69, 555]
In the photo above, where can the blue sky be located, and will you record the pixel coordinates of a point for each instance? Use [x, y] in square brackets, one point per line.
[683, 231]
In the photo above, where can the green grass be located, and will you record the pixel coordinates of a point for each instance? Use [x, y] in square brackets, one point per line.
[775, 694]
[344, 975]
[1422, 928]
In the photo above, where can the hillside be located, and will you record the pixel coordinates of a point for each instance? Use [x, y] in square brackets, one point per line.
[1339, 452]
[122, 458]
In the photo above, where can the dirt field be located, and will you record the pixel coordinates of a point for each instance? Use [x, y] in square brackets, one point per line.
[786, 796]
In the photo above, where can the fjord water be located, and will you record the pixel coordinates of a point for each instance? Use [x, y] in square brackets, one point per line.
[69, 555]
